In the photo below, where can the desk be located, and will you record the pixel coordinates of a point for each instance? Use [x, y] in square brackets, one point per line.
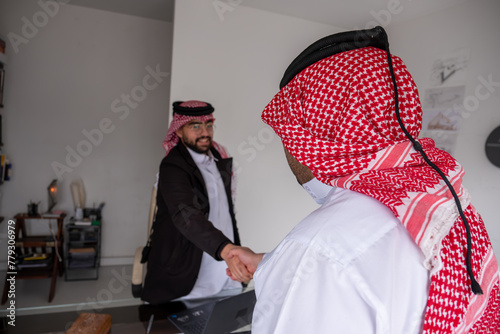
[26, 244]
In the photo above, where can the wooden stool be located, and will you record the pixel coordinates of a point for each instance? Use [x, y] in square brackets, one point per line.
[91, 323]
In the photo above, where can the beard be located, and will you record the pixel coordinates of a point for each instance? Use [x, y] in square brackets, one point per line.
[199, 145]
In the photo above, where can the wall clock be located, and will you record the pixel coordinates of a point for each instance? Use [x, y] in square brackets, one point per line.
[492, 147]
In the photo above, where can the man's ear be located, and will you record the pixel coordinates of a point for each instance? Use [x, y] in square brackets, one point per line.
[301, 172]
[178, 132]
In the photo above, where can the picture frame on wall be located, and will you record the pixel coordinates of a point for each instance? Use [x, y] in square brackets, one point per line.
[2, 81]
[2, 46]
[1, 141]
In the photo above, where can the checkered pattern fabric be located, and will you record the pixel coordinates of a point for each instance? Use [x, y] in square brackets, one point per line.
[171, 139]
[193, 104]
[338, 118]
[451, 308]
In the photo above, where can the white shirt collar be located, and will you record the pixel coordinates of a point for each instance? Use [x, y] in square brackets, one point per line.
[318, 190]
[201, 158]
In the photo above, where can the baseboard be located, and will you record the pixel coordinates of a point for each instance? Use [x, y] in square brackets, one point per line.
[117, 261]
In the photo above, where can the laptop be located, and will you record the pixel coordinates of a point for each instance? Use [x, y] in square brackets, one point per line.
[217, 317]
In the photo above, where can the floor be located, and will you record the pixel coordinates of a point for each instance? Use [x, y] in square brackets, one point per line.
[112, 290]
[110, 294]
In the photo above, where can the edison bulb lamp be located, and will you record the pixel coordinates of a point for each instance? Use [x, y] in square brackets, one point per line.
[52, 190]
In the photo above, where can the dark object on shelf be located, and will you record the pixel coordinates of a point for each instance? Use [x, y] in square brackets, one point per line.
[33, 209]
[95, 213]
[31, 261]
[74, 235]
[82, 251]
[81, 257]
[90, 235]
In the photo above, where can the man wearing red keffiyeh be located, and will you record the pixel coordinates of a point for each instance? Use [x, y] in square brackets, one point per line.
[387, 252]
[195, 225]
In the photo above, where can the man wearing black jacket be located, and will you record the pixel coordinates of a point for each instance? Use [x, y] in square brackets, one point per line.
[195, 225]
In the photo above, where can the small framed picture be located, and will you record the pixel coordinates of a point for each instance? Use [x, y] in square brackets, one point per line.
[2, 46]
[2, 80]
[1, 142]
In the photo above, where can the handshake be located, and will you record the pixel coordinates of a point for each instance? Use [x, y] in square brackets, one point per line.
[241, 262]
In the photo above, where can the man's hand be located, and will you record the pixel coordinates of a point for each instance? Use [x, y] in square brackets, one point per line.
[239, 271]
[247, 257]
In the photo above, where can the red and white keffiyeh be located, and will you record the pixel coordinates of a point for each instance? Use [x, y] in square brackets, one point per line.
[338, 118]
[171, 139]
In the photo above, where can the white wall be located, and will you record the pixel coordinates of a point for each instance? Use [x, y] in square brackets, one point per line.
[64, 79]
[235, 60]
[473, 25]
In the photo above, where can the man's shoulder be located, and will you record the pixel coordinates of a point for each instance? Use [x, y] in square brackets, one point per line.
[221, 151]
[347, 219]
[174, 157]
[359, 209]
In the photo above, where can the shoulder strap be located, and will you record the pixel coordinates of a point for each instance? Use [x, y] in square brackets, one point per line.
[147, 248]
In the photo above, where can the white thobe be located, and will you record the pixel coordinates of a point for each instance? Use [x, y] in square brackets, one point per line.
[348, 267]
[212, 277]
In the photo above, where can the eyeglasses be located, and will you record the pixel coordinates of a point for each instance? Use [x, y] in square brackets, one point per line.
[198, 127]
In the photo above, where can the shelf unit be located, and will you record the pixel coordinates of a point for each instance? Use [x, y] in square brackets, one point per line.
[82, 251]
[26, 244]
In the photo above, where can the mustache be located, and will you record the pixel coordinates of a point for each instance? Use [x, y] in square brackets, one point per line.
[204, 137]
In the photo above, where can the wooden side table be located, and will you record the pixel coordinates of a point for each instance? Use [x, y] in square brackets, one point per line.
[26, 244]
